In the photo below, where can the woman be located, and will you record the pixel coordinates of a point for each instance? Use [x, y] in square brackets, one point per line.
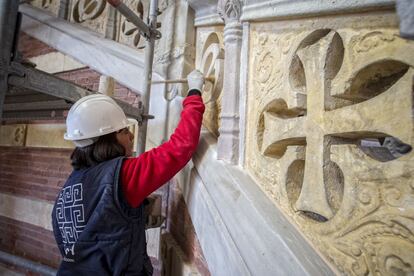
[98, 217]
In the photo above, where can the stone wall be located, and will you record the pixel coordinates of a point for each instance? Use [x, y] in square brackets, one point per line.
[33, 173]
[28, 241]
[30, 179]
[327, 119]
[322, 87]
[306, 159]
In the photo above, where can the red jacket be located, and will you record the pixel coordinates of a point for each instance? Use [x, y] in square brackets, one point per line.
[142, 175]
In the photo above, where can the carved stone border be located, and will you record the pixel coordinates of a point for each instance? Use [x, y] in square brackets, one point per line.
[270, 10]
[256, 10]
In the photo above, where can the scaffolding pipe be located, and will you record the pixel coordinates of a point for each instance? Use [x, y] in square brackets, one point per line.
[210, 79]
[8, 21]
[149, 57]
[150, 33]
[26, 264]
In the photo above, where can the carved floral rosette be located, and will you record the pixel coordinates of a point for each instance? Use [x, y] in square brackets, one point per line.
[128, 32]
[314, 96]
[92, 14]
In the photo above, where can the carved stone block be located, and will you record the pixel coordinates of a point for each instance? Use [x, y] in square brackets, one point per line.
[319, 88]
[47, 136]
[12, 135]
[127, 32]
[92, 14]
[210, 61]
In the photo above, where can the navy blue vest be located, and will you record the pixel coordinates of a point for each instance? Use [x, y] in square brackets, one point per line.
[95, 229]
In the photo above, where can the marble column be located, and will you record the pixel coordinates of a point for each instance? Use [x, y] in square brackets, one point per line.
[228, 142]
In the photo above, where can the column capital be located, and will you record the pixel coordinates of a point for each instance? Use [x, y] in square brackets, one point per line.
[230, 10]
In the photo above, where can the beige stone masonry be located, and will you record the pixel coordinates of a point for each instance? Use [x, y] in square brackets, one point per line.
[12, 135]
[317, 88]
[91, 14]
[47, 135]
[34, 135]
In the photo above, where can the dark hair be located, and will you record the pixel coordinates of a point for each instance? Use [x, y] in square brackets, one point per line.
[105, 148]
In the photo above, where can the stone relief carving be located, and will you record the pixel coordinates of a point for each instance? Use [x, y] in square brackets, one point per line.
[313, 102]
[100, 17]
[211, 64]
[269, 62]
[372, 40]
[90, 13]
[46, 3]
[13, 135]
[19, 134]
[129, 33]
[87, 10]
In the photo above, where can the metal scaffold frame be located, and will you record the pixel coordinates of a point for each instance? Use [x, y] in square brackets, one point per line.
[28, 93]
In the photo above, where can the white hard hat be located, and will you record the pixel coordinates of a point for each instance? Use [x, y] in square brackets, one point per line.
[93, 116]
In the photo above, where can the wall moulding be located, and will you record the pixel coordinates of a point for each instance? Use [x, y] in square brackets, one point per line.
[317, 94]
[205, 13]
[256, 10]
[208, 20]
[259, 10]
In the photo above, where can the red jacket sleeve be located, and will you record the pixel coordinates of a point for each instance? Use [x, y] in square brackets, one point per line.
[142, 175]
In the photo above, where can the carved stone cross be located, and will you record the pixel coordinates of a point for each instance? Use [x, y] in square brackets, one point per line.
[383, 114]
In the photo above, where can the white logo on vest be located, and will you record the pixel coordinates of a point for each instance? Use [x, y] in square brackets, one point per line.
[70, 216]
